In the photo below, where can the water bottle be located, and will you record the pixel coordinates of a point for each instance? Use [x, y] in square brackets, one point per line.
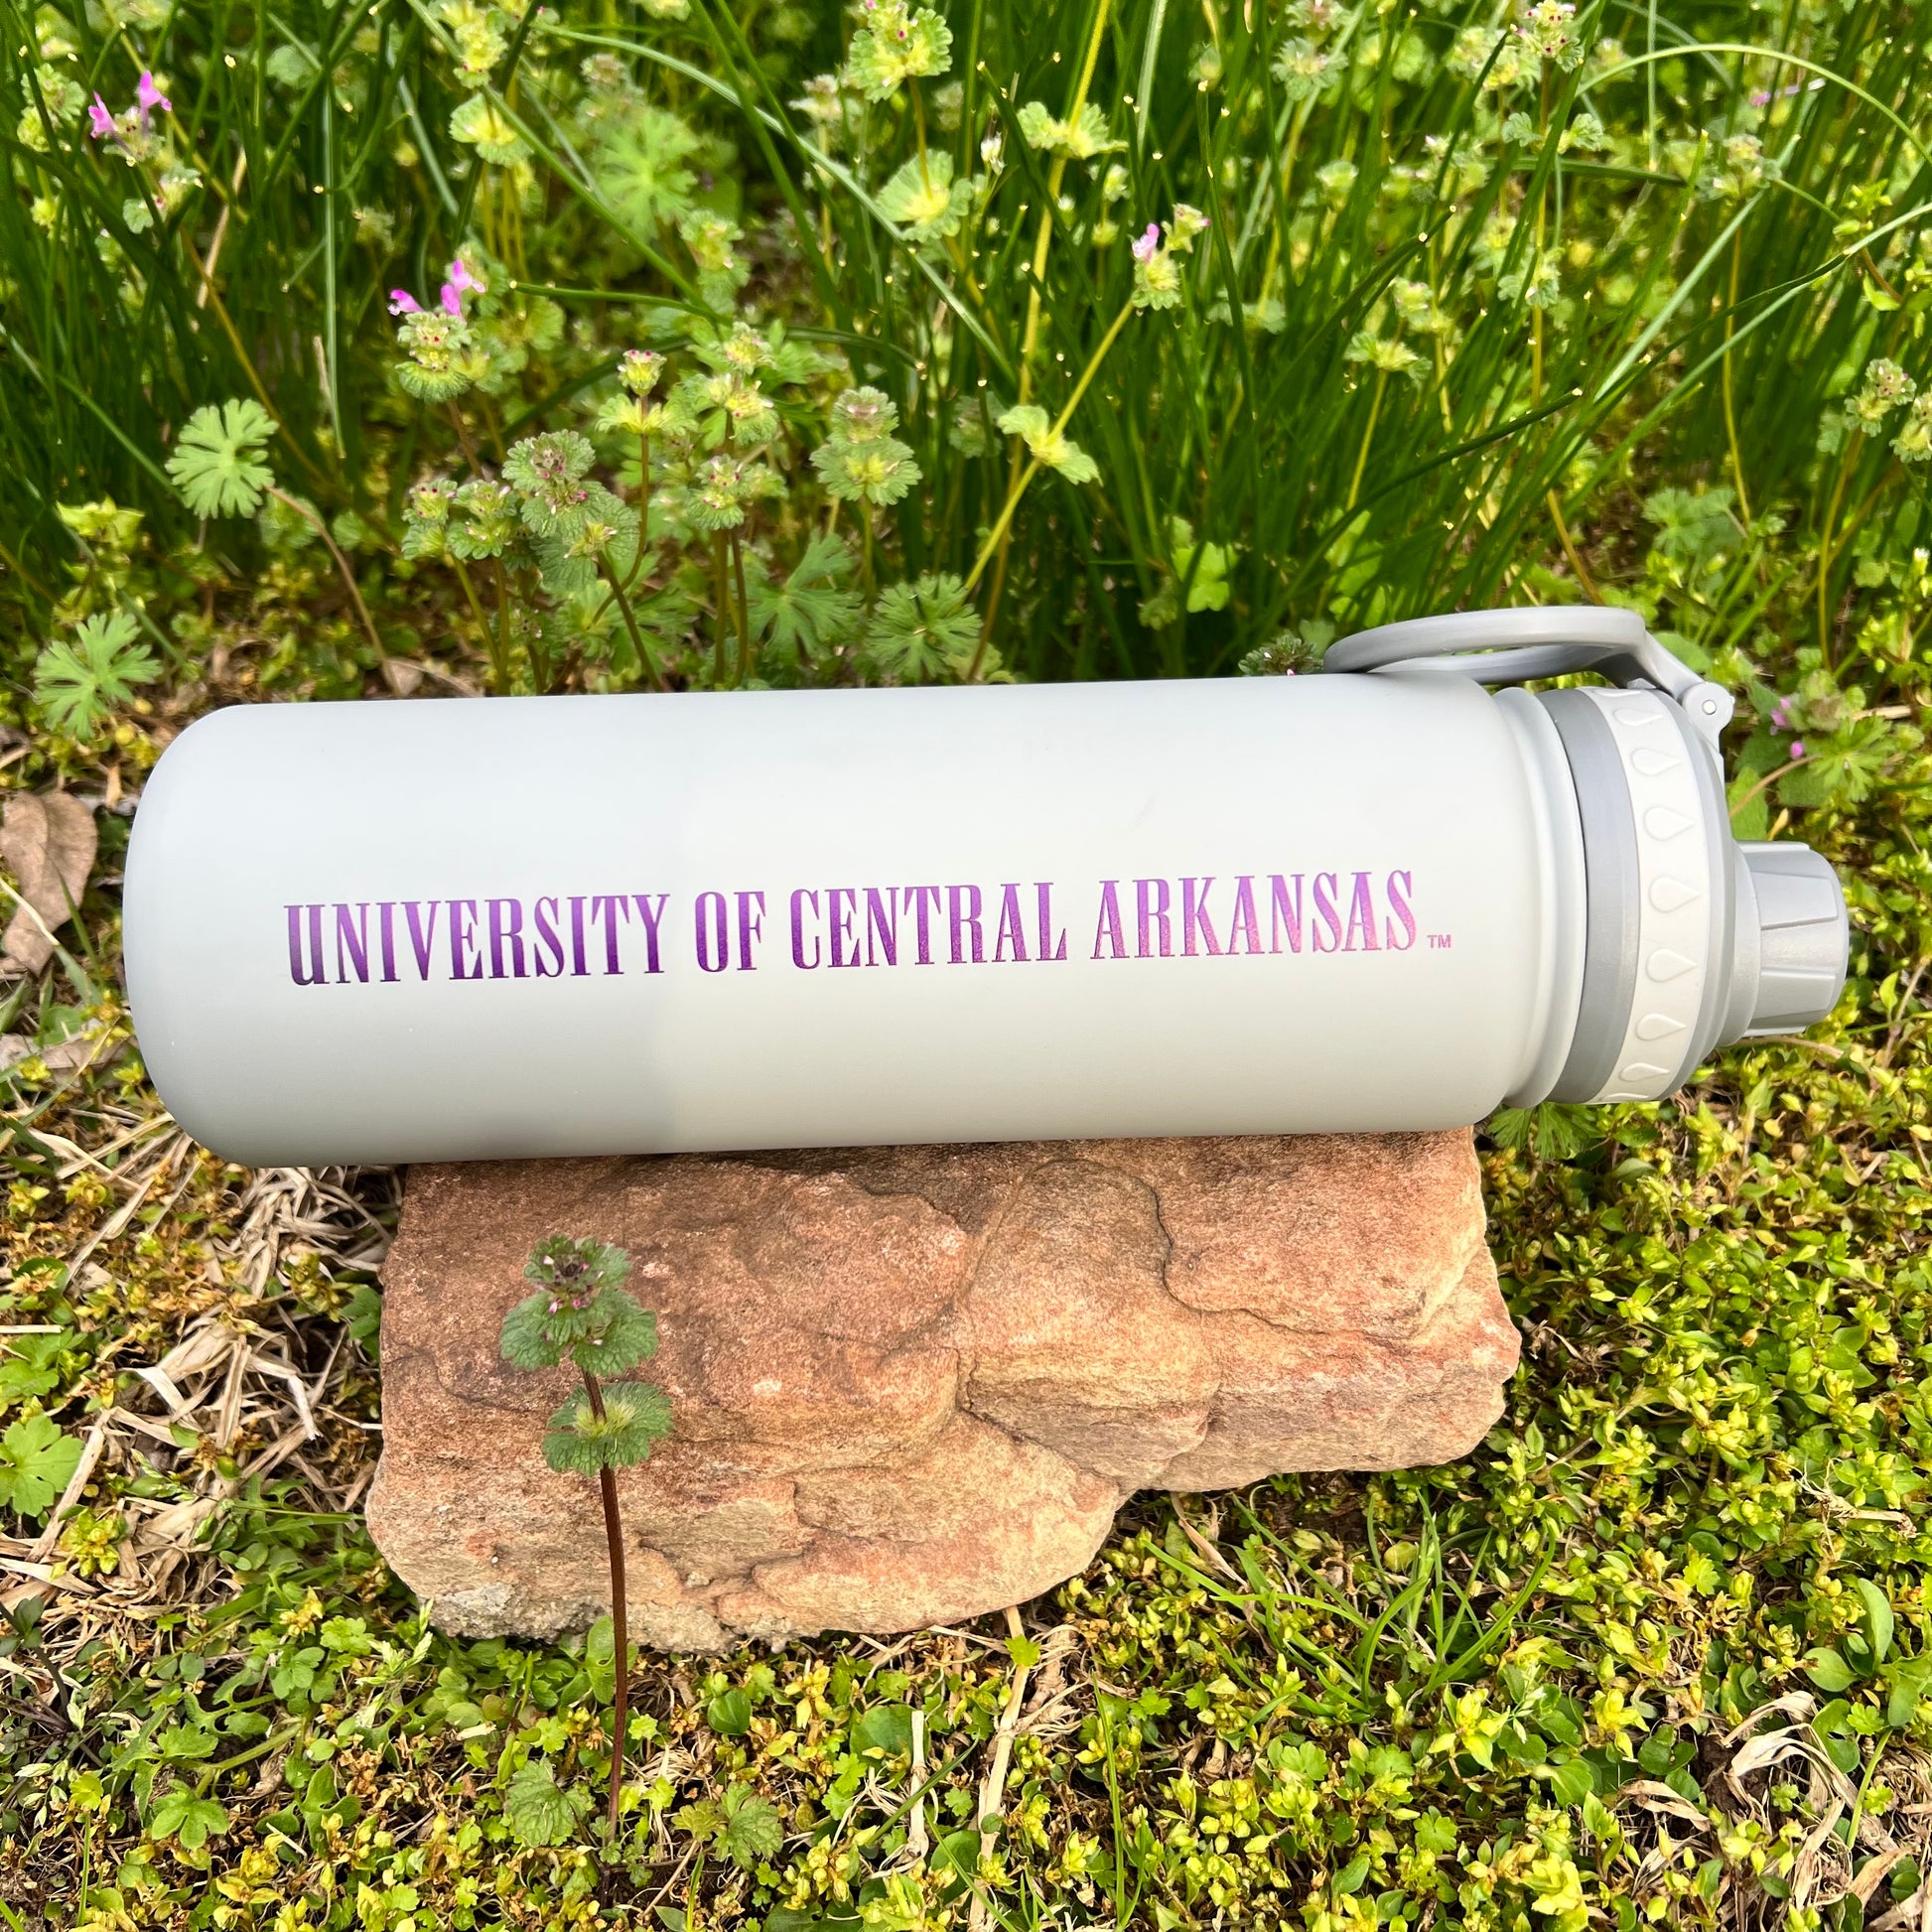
[1388, 896]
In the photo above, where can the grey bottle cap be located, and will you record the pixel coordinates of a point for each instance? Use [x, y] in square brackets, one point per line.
[1803, 942]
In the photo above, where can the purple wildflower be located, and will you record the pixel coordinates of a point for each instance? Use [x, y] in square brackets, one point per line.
[1148, 243]
[1798, 747]
[402, 303]
[463, 281]
[148, 97]
[100, 123]
[1781, 718]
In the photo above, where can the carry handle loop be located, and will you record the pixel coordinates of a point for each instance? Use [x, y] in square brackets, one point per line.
[1516, 645]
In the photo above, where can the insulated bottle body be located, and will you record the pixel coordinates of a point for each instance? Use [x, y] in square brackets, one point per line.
[451, 930]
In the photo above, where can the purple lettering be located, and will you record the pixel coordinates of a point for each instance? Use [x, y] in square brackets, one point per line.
[798, 902]
[1152, 911]
[578, 969]
[1326, 914]
[507, 930]
[708, 919]
[923, 899]
[1243, 924]
[881, 926]
[838, 921]
[1404, 916]
[548, 940]
[1193, 915]
[298, 965]
[610, 906]
[1361, 918]
[1012, 930]
[1284, 915]
[352, 940]
[751, 925]
[462, 939]
[963, 903]
[648, 915]
[1107, 926]
[387, 908]
[422, 938]
[1047, 950]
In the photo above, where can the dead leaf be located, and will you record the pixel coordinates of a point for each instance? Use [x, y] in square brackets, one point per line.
[49, 842]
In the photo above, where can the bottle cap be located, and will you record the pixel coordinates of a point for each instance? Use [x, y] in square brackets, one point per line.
[1803, 937]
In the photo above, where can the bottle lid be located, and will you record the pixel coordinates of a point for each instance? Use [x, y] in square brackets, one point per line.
[1803, 937]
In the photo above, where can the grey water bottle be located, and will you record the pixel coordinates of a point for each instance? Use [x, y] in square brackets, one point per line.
[1377, 898]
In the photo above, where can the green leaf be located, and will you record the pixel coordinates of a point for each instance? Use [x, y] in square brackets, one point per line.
[187, 1741]
[362, 1317]
[639, 166]
[1829, 1671]
[190, 1819]
[729, 1714]
[36, 1462]
[527, 1341]
[581, 1443]
[601, 1659]
[217, 462]
[812, 612]
[79, 682]
[885, 1728]
[626, 1336]
[753, 1828]
[1053, 448]
[920, 630]
[957, 1853]
[27, 1368]
[1349, 1878]
[1877, 1617]
[536, 1809]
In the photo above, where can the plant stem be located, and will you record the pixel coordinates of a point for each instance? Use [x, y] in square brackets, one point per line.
[722, 599]
[744, 615]
[341, 563]
[1730, 418]
[1369, 436]
[503, 623]
[499, 668]
[463, 436]
[644, 509]
[606, 1483]
[645, 654]
[1030, 338]
[1571, 551]
[1825, 546]
[996, 537]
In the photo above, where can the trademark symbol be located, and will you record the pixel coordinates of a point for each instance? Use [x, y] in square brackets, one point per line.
[1438, 942]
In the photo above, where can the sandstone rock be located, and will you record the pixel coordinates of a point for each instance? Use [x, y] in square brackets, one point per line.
[913, 1384]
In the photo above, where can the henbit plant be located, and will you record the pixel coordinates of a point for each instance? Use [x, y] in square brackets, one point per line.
[582, 1314]
[1195, 342]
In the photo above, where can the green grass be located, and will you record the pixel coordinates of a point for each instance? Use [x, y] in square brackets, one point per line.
[1661, 1650]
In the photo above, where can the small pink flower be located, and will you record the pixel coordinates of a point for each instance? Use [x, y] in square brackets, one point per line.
[1798, 747]
[100, 123]
[450, 298]
[464, 282]
[1781, 718]
[147, 96]
[402, 303]
[1148, 243]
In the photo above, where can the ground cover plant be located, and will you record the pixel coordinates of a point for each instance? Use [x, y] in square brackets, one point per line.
[403, 347]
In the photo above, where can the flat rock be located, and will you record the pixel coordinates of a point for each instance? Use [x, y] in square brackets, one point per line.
[913, 1384]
